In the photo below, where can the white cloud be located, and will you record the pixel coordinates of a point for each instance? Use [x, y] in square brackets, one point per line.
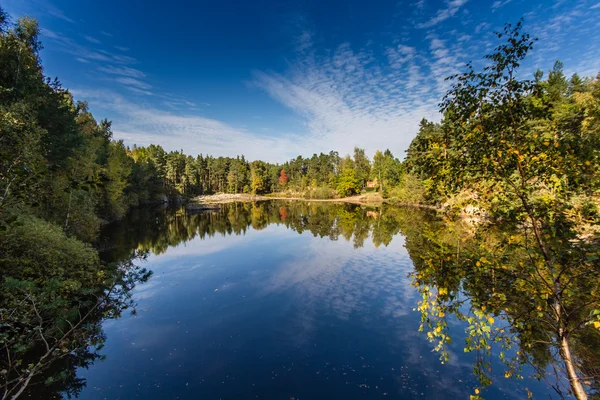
[69, 46]
[136, 83]
[350, 98]
[91, 39]
[49, 33]
[452, 6]
[60, 15]
[500, 3]
[569, 34]
[122, 70]
[137, 90]
[484, 26]
[137, 123]
[400, 55]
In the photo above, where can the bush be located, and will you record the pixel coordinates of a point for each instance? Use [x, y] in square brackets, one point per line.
[321, 192]
[37, 251]
[411, 190]
[385, 193]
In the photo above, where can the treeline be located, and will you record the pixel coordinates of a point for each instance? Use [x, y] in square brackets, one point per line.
[521, 156]
[556, 143]
[322, 175]
[158, 173]
[60, 164]
[61, 176]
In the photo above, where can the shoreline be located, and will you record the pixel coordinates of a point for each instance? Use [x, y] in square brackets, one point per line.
[210, 201]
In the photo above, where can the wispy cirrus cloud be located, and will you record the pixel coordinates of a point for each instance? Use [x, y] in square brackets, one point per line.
[138, 90]
[70, 46]
[452, 7]
[143, 124]
[500, 3]
[350, 97]
[556, 34]
[133, 83]
[55, 12]
[122, 70]
[92, 39]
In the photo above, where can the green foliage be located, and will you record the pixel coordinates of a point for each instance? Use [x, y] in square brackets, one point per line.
[386, 169]
[411, 190]
[522, 152]
[320, 192]
[60, 176]
[54, 293]
[348, 182]
[38, 251]
[362, 166]
[258, 177]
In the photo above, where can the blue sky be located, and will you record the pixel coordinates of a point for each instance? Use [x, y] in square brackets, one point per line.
[272, 80]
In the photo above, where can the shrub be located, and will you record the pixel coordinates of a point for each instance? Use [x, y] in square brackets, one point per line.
[321, 192]
[411, 190]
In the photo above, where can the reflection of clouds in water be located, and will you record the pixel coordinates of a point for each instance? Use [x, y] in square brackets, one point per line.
[169, 267]
[367, 282]
[201, 247]
[332, 278]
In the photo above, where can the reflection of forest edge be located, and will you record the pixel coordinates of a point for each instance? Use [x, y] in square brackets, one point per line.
[459, 272]
[486, 277]
[159, 228]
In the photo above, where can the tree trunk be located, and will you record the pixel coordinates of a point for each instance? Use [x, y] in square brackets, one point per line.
[565, 353]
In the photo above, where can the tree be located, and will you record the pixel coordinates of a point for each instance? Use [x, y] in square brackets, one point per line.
[55, 292]
[362, 166]
[258, 177]
[348, 182]
[117, 171]
[500, 135]
[283, 178]
[386, 169]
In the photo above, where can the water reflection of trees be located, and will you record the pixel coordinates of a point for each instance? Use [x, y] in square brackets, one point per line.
[50, 327]
[495, 281]
[158, 229]
[489, 278]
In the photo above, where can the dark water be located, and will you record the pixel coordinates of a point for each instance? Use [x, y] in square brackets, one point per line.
[280, 301]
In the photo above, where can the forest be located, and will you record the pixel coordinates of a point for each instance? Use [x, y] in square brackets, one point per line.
[523, 153]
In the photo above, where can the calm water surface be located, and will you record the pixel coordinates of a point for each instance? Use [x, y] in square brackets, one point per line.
[278, 301]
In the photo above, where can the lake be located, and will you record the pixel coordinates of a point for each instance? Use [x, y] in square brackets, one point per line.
[281, 300]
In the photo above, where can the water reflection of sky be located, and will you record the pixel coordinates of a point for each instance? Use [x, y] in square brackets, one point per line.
[277, 315]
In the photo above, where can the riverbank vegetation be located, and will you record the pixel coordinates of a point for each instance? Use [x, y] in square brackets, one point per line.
[61, 175]
[527, 154]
